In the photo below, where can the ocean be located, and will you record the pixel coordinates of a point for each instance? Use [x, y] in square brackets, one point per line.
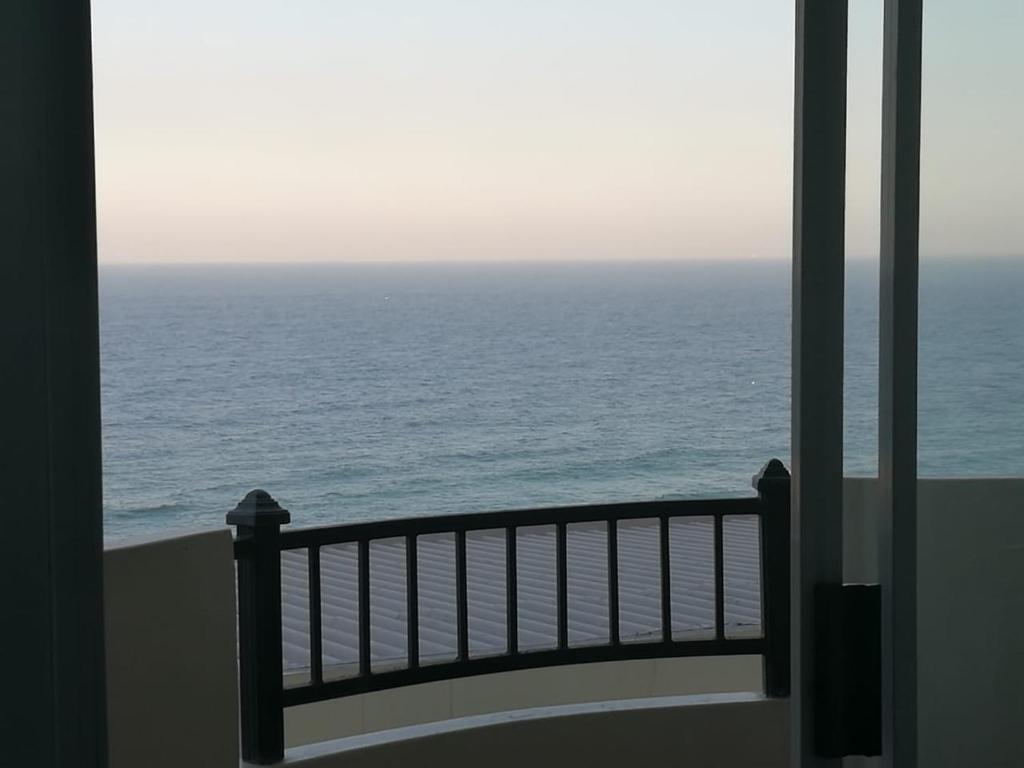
[354, 392]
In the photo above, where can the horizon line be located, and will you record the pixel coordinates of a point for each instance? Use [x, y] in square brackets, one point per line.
[534, 262]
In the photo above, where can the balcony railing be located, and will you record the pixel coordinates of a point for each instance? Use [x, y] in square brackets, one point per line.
[260, 543]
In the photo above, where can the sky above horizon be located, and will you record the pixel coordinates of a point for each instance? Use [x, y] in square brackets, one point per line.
[404, 130]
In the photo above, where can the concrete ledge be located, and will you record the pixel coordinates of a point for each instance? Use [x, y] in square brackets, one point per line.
[719, 730]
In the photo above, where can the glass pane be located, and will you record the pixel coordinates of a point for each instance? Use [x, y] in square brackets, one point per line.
[863, 233]
[971, 384]
[971, 401]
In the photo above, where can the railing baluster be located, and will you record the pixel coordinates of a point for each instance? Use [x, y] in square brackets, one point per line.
[511, 592]
[261, 681]
[613, 582]
[316, 656]
[561, 569]
[461, 597]
[666, 582]
[719, 579]
[412, 605]
[773, 490]
[364, 607]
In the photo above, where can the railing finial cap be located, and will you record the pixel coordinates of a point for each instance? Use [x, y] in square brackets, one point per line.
[258, 508]
[772, 472]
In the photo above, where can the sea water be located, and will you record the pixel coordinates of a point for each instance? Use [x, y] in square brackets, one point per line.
[354, 392]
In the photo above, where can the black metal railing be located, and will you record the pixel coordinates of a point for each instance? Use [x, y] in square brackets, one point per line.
[260, 542]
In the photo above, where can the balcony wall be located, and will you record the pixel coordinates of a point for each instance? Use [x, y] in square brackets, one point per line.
[716, 731]
[970, 613]
[172, 679]
[173, 689]
[469, 696]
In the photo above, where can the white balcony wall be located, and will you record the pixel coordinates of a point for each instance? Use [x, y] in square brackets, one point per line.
[970, 613]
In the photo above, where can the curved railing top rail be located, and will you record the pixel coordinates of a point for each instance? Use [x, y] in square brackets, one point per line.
[327, 535]
[260, 543]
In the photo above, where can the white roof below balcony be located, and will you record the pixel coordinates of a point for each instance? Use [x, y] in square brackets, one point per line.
[692, 591]
[691, 558]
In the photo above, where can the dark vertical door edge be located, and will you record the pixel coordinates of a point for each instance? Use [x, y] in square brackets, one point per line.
[897, 383]
[51, 547]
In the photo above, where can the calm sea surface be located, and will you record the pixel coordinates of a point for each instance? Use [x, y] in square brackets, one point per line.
[355, 392]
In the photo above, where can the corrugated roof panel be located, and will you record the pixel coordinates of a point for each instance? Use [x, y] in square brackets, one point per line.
[692, 583]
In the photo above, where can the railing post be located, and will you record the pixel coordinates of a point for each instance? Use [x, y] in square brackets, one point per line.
[772, 484]
[261, 685]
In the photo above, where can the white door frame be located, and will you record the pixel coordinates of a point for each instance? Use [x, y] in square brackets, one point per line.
[819, 186]
[819, 205]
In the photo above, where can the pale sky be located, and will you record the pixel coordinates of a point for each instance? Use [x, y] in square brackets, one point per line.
[330, 130]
